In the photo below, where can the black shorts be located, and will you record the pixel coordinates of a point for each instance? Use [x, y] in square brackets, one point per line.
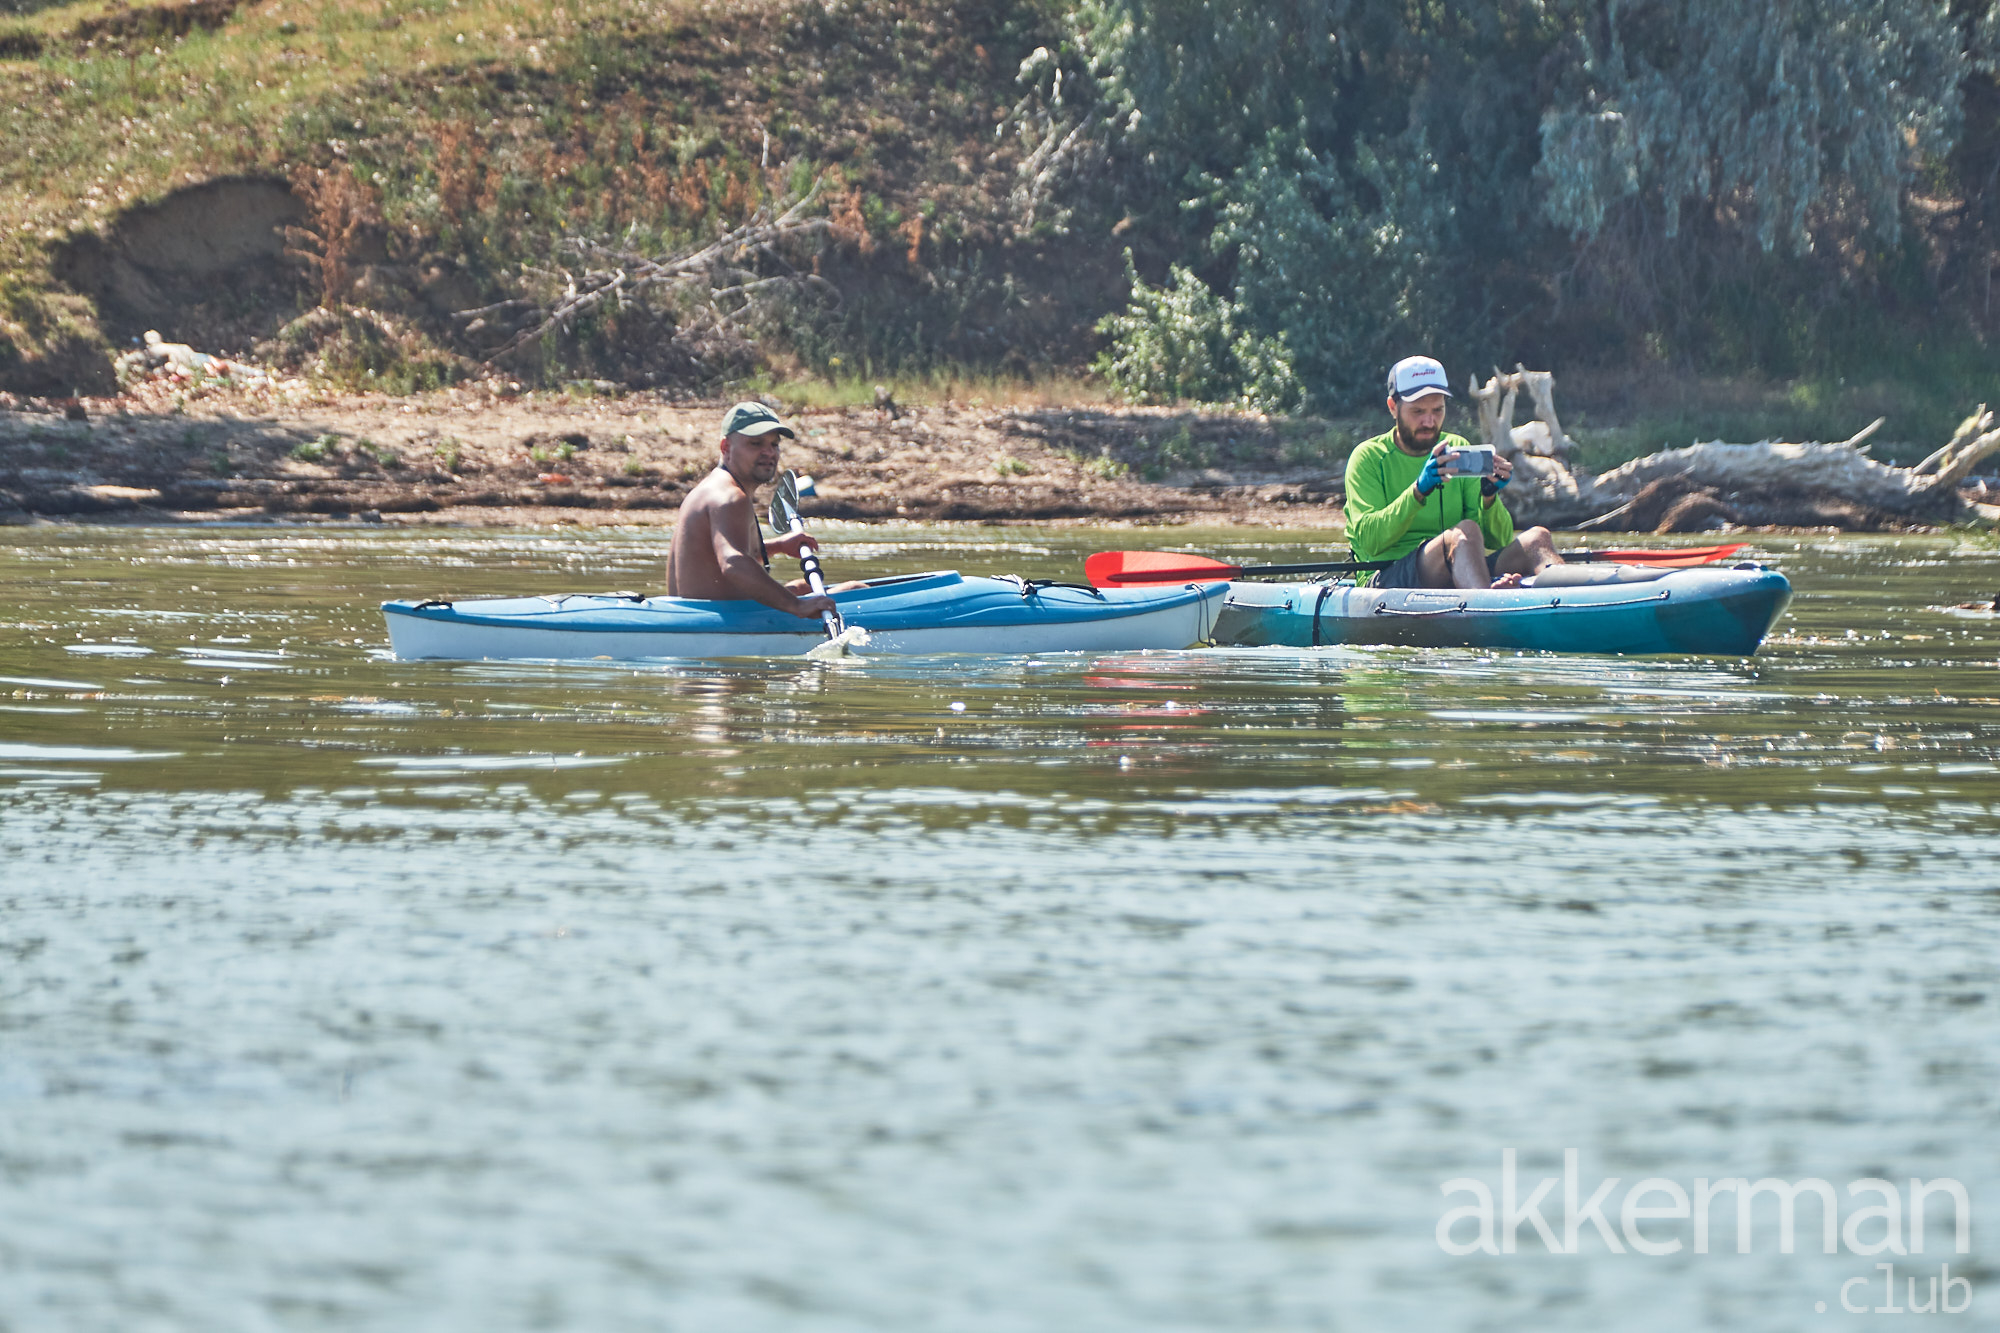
[1405, 574]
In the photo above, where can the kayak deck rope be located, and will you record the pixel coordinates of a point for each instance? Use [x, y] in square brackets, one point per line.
[558, 599]
[1029, 587]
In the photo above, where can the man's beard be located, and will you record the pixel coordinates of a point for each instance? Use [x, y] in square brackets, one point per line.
[764, 471]
[1416, 439]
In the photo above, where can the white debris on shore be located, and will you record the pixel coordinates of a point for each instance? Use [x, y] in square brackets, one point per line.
[158, 359]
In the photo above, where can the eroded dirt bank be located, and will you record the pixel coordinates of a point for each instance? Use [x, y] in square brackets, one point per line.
[492, 456]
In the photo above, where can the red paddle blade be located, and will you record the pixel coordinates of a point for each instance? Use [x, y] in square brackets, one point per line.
[1673, 557]
[1111, 569]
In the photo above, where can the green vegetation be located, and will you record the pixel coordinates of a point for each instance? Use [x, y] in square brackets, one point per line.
[1791, 206]
[1181, 452]
[1182, 342]
[1797, 192]
[1009, 466]
[1327, 449]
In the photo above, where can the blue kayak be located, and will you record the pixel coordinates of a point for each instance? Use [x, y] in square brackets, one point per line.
[1574, 609]
[915, 613]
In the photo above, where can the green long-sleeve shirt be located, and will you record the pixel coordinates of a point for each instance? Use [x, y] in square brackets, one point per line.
[1385, 518]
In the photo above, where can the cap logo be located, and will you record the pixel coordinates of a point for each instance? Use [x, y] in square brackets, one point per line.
[1418, 375]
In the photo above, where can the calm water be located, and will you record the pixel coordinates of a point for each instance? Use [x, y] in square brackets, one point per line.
[1135, 992]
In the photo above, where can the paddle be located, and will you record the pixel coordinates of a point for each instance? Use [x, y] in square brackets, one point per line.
[1111, 569]
[786, 520]
[1670, 557]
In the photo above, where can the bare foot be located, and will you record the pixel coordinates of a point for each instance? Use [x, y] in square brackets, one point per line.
[1507, 581]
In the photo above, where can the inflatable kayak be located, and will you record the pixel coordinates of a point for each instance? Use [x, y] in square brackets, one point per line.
[916, 613]
[1574, 609]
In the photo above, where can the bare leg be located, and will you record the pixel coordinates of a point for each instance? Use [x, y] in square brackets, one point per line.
[1531, 552]
[1468, 556]
[1455, 558]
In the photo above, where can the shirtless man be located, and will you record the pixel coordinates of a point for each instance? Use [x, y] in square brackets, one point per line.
[718, 552]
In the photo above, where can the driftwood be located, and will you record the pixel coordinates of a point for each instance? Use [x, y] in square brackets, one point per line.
[1541, 438]
[713, 290]
[1714, 484]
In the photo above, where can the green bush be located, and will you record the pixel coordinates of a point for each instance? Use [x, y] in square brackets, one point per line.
[1181, 342]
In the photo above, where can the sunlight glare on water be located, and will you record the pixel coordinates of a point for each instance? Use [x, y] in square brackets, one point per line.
[1127, 991]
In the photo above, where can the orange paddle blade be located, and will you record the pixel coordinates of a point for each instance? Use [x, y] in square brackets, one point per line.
[1111, 569]
[1672, 557]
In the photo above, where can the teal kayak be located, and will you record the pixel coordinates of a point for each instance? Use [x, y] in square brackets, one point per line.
[1579, 609]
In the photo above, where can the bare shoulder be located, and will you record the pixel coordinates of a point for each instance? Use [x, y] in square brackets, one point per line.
[715, 493]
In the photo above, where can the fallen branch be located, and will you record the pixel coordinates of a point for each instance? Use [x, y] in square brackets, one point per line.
[725, 281]
[1776, 468]
[1705, 484]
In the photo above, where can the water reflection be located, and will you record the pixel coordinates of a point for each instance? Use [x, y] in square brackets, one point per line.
[279, 678]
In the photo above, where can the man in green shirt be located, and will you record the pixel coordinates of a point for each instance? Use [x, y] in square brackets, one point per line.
[1404, 504]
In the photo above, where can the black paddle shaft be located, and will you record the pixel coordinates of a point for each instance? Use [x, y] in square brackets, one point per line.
[1237, 571]
[1361, 566]
[1240, 571]
[1370, 566]
[1350, 567]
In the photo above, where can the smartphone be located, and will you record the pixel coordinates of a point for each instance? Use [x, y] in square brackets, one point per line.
[1476, 462]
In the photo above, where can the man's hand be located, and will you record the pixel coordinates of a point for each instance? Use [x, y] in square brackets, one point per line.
[1493, 485]
[793, 544]
[1503, 468]
[1431, 477]
[813, 607]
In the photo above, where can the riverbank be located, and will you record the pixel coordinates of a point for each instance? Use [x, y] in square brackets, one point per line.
[489, 454]
[264, 448]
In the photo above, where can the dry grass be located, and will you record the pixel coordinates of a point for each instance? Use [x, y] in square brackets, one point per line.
[102, 123]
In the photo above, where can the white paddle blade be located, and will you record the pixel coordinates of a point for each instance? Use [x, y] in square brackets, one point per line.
[842, 644]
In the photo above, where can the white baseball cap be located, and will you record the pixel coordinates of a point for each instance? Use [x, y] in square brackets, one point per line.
[1417, 377]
